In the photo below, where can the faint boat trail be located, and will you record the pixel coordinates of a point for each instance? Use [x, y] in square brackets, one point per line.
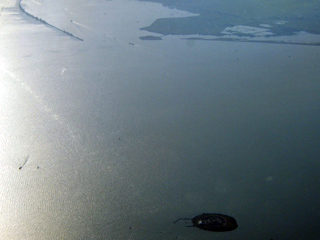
[91, 31]
[81, 27]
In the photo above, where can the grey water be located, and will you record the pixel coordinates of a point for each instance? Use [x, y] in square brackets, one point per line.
[123, 136]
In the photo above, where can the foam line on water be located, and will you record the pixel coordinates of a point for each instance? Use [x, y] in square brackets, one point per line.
[36, 2]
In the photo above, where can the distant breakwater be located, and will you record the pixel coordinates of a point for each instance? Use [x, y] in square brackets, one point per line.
[46, 23]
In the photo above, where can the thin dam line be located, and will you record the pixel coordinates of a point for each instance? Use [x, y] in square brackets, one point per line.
[47, 24]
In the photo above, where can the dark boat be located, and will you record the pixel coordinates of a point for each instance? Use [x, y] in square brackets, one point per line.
[214, 222]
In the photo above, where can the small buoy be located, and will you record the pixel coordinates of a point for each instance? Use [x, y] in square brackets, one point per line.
[215, 222]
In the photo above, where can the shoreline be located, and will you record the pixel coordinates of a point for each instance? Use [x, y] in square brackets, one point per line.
[291, 40]
[252, 41]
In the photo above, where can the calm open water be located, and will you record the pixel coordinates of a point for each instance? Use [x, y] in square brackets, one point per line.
[120, 137]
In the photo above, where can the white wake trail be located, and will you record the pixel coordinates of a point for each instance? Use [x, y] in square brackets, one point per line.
[43, 106]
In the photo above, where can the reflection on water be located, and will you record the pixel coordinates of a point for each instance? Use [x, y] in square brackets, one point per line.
[122, 139]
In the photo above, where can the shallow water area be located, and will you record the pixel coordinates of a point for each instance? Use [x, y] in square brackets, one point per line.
[266, 21]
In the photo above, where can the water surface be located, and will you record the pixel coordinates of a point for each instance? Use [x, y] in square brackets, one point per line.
[122, 136]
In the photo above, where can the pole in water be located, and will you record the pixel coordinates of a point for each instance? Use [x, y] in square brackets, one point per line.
[25, 161]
